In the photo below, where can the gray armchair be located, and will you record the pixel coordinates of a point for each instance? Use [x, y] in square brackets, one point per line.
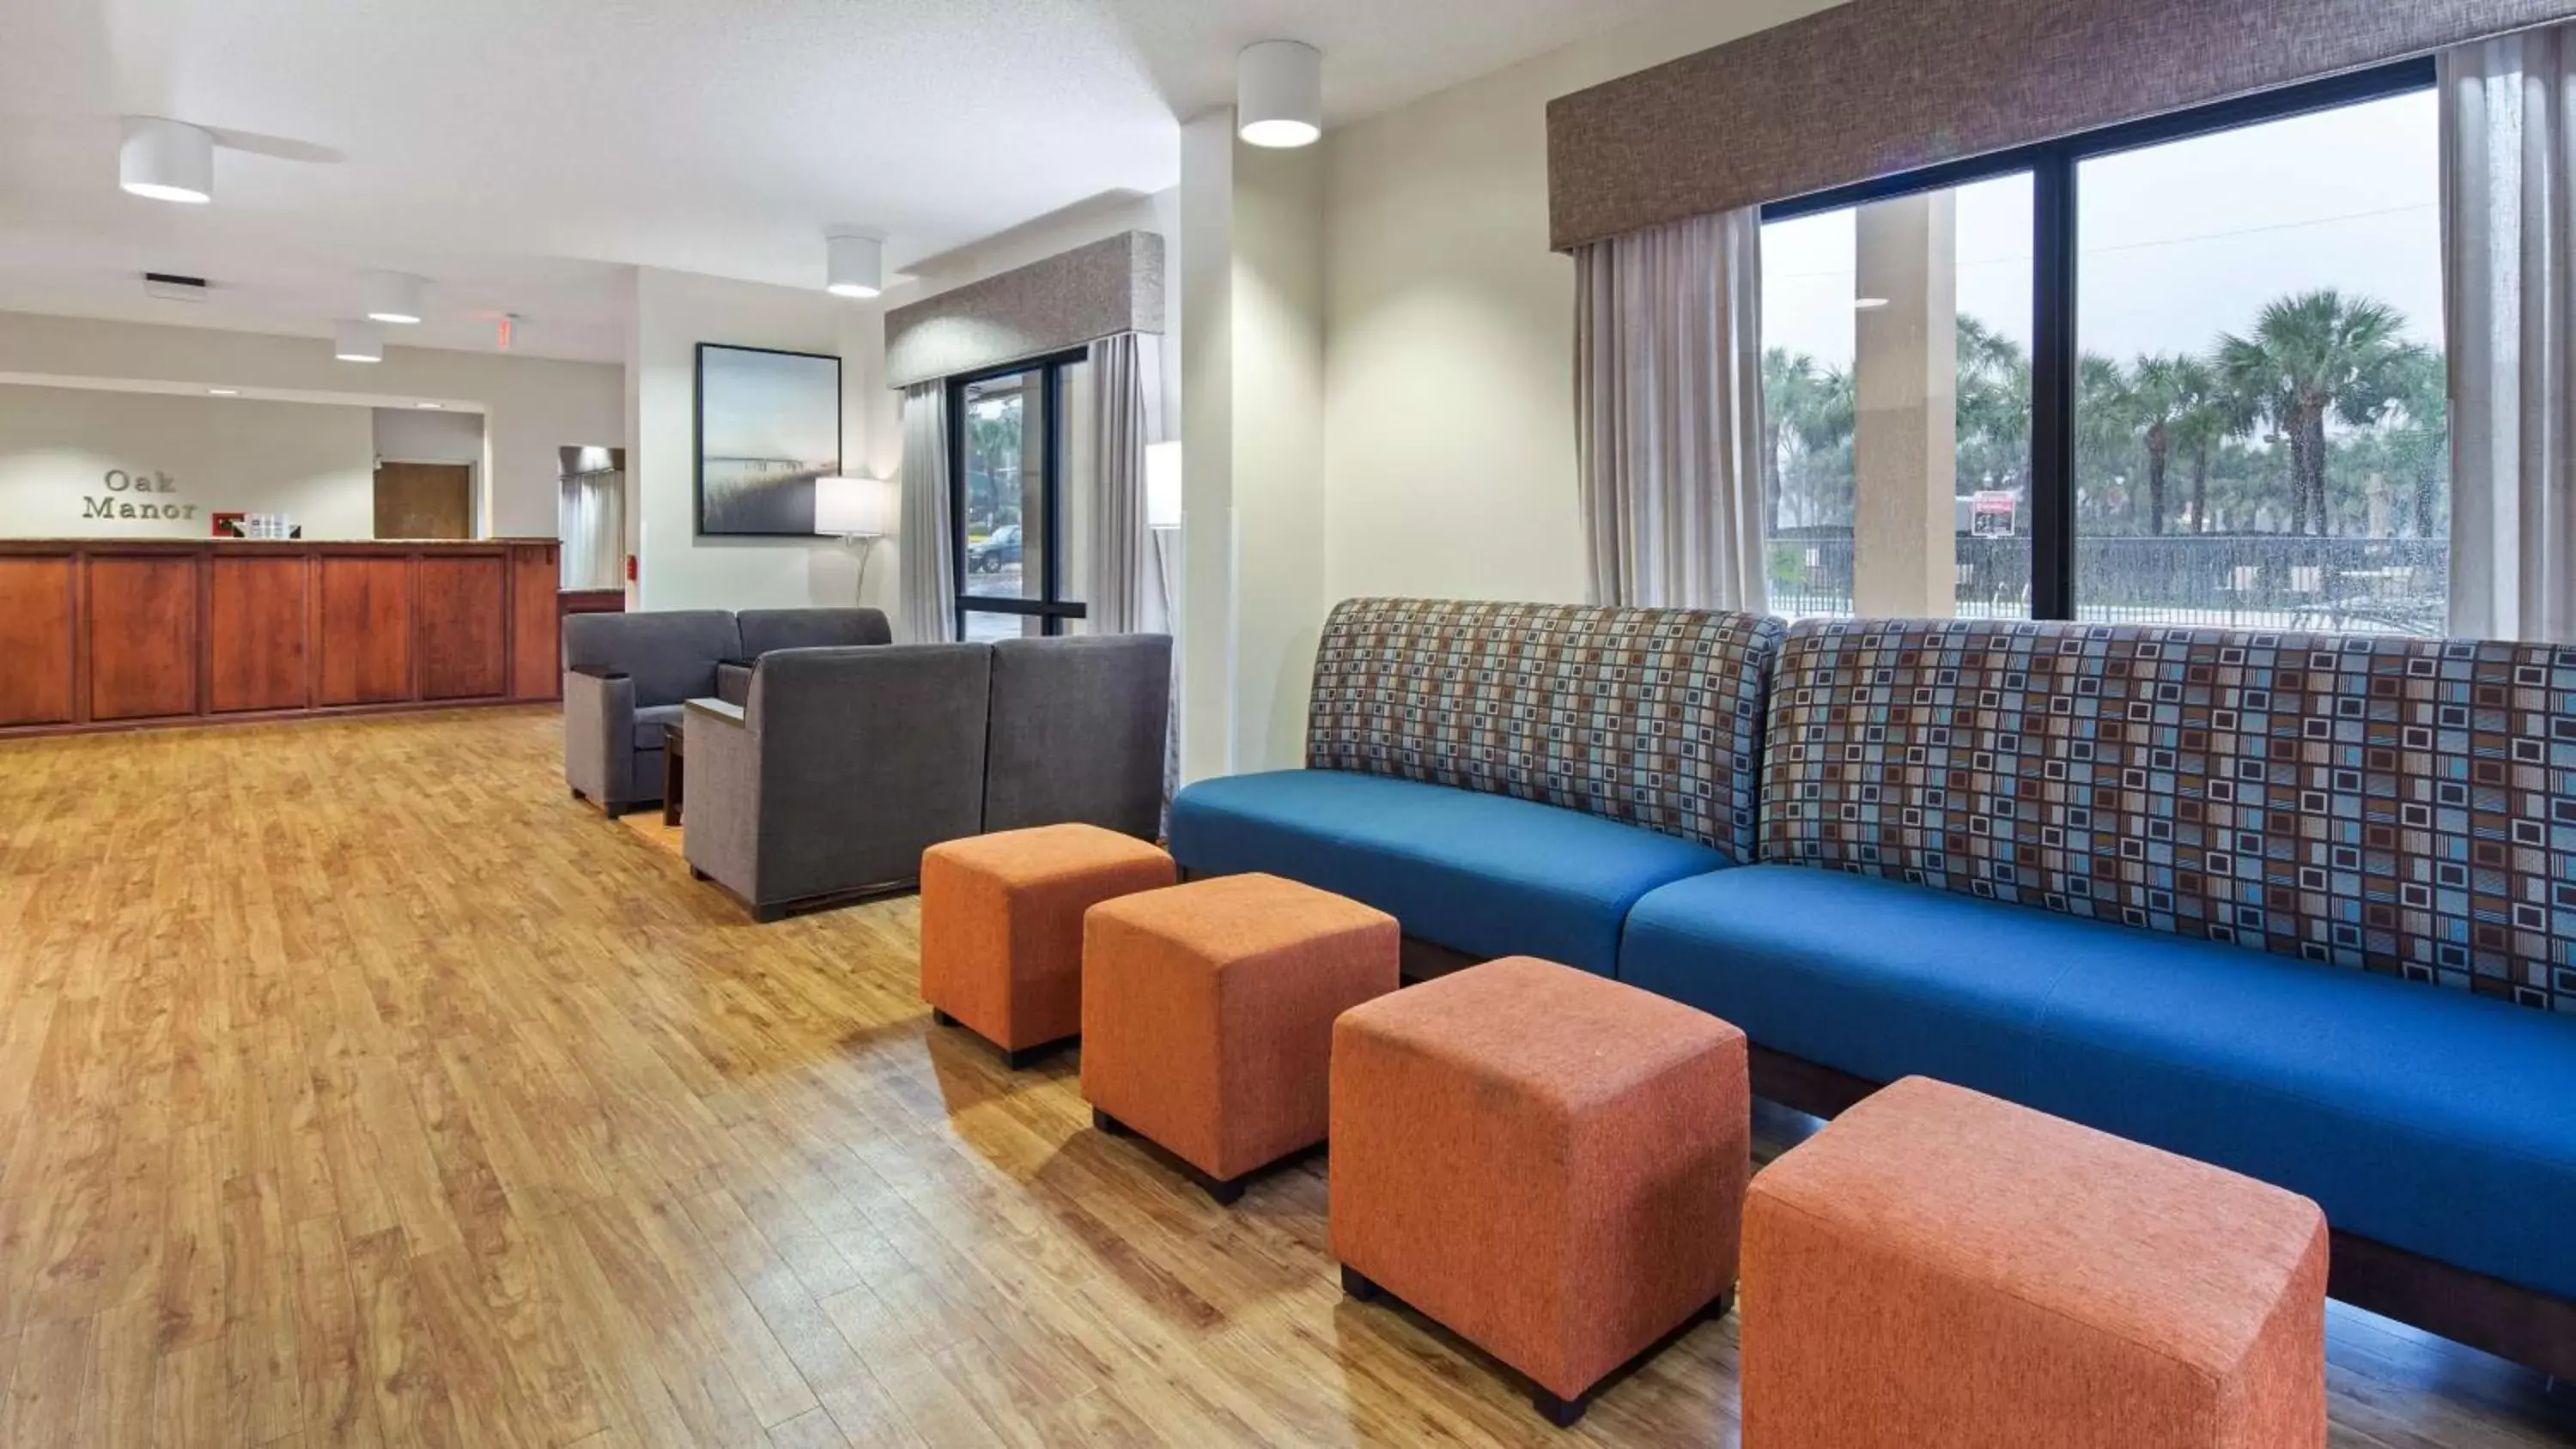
[843, 768]
[1077, 732]
[625, 679]
[765, 631]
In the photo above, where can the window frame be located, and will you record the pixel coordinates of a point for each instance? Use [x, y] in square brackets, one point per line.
[1050, 606]
[2055, 349]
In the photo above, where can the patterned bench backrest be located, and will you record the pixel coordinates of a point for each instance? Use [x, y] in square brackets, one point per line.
[1651, 717]
[2405, 806]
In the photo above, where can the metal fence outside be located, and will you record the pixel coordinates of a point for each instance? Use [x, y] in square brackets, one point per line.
[2246, 581]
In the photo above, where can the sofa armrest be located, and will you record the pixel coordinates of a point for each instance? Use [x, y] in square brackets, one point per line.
[589, 671]
[723, 835]
[733, 682]
[722, 711]
[599, 736]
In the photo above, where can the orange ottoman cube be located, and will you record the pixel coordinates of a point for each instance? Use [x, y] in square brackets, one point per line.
[1938, 1270]
[1001, 927]
[1207, 1016]
[1548, 1163]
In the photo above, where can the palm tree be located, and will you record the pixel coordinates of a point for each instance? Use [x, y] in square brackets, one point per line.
[2420, 444]
[2311, 357]
[1808, 413]
[2155, 399]
[2105, 430]
[1993, 409]
[2210, 414]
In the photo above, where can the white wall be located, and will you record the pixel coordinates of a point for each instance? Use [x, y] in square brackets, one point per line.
[417, 435]
[673, 313]
[531, 405]
[314, 462]
[1449, 455]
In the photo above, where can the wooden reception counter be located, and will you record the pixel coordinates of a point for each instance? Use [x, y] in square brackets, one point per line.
[110, 634]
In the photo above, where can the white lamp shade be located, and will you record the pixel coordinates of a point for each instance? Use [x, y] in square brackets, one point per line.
[167, 160]
[358, 342]
[854, 507]
[1162, 485]
[391, 297]
[1279, 94]
[856, 265]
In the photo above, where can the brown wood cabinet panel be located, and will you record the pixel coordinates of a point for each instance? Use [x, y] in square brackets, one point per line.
[363, 630]
[143, 633]
[424, 500]
[462, 626]
[258, 617]
[35, 640]
[536, 658]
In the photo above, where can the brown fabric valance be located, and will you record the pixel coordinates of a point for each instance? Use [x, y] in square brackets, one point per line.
[1875, 87]
[1111, 286]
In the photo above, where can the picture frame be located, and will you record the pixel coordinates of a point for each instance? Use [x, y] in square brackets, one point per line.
[767, 423]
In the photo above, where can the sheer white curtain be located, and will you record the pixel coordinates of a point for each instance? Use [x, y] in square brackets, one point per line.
[2508, 191]
[593, 525]
[1668, 412]
[1125, 391]
[925, 550]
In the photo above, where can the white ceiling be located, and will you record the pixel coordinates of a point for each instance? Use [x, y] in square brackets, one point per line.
[521, 152]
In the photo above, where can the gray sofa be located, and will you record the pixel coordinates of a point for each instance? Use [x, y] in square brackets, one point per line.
[766, 631]
[847, 763]
[1077, 732]
[626, 677]
[843, 767]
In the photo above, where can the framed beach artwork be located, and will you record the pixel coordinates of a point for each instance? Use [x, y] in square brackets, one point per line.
[769, 424]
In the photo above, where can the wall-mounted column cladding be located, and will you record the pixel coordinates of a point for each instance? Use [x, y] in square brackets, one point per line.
[1072, 298]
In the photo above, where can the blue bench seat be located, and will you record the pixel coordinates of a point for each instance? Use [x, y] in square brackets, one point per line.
[2432, 1121]
[1488, 875]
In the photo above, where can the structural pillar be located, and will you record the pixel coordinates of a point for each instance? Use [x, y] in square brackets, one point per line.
[1906, 387]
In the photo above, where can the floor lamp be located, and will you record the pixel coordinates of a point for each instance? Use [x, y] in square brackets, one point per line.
[858, 512]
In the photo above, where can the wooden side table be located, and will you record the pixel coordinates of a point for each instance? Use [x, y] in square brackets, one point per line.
[675, 769]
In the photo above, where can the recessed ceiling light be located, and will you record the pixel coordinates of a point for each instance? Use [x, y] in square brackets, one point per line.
[433, 407]
[1279, 94]
[167, 160]
[223, 392]
[1868, 304]
[390, 297]
[358, 342]
[855, 264]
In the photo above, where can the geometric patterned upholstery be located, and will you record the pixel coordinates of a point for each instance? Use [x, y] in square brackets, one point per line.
[2403, 806]
[1649, 717]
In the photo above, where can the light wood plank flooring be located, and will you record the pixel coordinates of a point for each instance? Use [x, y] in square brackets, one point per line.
[358, 1087]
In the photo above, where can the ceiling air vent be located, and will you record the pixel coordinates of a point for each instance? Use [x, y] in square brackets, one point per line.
[170, 287]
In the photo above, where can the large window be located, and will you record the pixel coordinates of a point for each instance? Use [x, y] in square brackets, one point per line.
[1012, 451]
[2196, 375]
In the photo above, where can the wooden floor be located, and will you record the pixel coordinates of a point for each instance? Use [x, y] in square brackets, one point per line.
[356, 1086]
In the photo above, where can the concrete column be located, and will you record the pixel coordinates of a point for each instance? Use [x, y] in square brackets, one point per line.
[1906, 383]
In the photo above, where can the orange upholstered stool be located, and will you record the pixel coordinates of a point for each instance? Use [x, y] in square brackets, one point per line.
[1940, 1270]
[1546, 1162]
[1207, 1015]
[1001, 926]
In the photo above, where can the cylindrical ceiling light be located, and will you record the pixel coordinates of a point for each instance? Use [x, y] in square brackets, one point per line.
[390, 297]
[1279, 94]
[167, 160]
[857, 264]
[358, 342]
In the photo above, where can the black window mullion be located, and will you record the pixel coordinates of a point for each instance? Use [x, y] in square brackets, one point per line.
[2053, 367]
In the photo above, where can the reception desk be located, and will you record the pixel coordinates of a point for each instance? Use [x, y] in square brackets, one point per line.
[103, 634]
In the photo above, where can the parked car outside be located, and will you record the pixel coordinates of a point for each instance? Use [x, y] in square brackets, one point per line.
[997, 551]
